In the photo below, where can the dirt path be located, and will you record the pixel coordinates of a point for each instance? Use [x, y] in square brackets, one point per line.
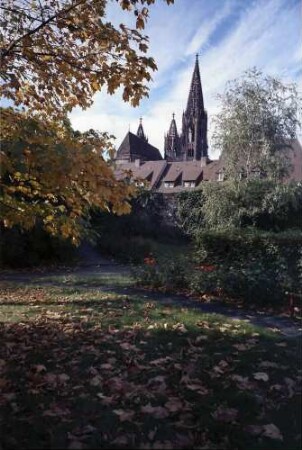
[92, 264]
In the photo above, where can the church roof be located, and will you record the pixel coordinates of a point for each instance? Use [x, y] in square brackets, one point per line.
[188, 170]
[150, 171]
[133, 147]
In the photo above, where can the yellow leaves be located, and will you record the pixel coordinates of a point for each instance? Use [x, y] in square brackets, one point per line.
[95, 85]
[17, 176]
[55, 176]
[64, 58]
[49, 218]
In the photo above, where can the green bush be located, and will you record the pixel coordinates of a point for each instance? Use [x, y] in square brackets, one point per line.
[262, 204]
[257, 267]
[254, 265]
[125, 249]
[172, 275]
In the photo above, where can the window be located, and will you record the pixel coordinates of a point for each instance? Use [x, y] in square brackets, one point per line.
[190, 152]
[140, 183]
[188, 184]
[169, 184]
[220, 175]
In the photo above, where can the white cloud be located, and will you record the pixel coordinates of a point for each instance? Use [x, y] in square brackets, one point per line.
[264, 35]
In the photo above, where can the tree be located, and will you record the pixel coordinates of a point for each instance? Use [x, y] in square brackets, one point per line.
[258, 118]
[54, 56]
[53, 176]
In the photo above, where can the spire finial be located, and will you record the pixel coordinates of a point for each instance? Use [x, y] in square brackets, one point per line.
[197, 55]
[140, 120]
[173, 115]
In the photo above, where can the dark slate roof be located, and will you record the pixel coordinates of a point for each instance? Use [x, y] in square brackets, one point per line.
[134, 147]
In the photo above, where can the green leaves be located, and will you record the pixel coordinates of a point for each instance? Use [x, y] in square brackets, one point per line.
[259, 116]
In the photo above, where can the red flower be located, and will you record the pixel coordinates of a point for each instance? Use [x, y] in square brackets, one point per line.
[150, 261]
[206, 267]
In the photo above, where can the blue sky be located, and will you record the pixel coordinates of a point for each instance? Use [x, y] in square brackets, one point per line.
[230, 36]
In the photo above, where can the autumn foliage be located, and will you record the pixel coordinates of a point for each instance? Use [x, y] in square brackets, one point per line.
[53, 176]
[56, 55]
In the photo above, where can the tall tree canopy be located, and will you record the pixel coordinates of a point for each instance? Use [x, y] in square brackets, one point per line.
[56, 55]
[53, 176]
[259, 116]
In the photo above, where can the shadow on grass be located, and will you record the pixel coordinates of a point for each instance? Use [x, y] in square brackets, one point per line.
[142, 383]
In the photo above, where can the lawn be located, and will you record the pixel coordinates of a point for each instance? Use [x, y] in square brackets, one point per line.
[94, 369]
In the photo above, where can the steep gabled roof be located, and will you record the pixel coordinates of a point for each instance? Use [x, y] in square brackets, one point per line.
[150, 171]
[134, 147]
[189, 171]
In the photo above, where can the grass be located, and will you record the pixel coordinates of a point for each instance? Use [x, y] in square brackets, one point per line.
[94, 369]
[91, 280]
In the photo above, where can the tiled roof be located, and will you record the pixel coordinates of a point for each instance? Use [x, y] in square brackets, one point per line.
[188, 170]
[150, 171]
[134, 147]
[176, 174]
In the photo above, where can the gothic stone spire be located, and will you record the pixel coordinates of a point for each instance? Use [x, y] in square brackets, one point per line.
[194, 127]
[195, 99]
[172, 149]
[140, 131]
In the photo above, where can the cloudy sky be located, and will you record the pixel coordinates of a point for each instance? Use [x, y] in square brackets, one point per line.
[230, 37]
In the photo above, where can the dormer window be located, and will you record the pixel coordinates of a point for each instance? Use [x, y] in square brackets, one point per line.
[169, 184]
[189, 184]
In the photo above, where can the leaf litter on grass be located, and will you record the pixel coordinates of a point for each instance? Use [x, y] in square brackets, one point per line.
[84, 381]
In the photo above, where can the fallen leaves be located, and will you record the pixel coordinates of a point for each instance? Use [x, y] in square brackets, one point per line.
[225, 414]
[272, 432]
[124, 415]
[261, 376]
[158, 412]
[126, 385]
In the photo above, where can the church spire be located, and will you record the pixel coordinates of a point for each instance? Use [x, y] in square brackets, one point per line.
[140, 131]
[195, 99]
[194, 124]
[172, 141]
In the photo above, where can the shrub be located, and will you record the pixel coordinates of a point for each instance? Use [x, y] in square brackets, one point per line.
[254, 265]
[19, 248]
[172, 275]
[125, 249]
[263, 204]
[257, 267]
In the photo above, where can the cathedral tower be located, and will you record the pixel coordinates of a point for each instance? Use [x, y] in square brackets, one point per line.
[194, 140]
[192, 144]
